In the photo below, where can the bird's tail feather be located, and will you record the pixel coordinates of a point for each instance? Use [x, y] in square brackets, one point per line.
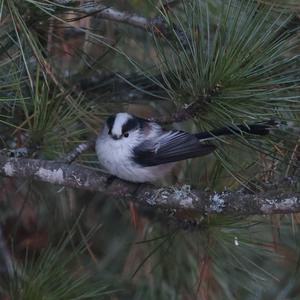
[258, 129]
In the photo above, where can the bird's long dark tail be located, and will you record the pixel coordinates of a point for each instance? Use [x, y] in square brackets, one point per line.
[258, 129]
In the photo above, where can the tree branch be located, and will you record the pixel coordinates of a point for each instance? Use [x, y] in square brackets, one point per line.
[279, 200]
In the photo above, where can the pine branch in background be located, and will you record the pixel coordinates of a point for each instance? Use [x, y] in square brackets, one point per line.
[155, 25]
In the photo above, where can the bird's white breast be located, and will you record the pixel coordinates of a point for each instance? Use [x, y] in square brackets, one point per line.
[116, 157]
[113, 154]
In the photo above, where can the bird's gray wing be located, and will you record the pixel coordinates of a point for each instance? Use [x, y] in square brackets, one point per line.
[171, 146]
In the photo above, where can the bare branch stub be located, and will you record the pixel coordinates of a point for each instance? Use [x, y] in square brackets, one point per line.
[78, 150]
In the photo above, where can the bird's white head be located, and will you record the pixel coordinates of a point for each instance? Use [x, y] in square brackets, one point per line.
[123, 126]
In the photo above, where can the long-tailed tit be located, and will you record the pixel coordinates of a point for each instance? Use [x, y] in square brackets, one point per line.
[139, 150]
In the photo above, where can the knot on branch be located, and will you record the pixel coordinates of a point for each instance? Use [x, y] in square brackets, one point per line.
[169, 31]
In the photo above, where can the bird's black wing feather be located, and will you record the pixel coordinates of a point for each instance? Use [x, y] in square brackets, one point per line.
[170, 147]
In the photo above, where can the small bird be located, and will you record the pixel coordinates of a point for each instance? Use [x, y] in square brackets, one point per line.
[140, 150]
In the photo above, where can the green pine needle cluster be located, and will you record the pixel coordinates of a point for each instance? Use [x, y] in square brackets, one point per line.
[240, 63]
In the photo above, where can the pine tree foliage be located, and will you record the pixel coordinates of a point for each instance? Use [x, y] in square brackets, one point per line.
[49, 276]
[63, 69]
[239, 65]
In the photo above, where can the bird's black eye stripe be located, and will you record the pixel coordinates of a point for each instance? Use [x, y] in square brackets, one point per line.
[110, 122]
[130, 124]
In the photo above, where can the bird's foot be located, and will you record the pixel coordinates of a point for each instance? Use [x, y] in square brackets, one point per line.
[110, 179]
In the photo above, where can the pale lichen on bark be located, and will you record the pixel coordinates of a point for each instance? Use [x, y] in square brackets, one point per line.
[9, 169]
[279, 205]
[217, 202]
[184, 196]
[51, 176]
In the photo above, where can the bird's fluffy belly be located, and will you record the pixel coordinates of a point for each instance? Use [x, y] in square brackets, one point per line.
[117, 159]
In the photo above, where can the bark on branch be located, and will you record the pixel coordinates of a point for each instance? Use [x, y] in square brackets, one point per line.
[279, 200]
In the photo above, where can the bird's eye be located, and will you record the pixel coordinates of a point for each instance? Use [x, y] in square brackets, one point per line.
[126, 134]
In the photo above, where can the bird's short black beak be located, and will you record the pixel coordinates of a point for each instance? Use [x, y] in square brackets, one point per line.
[115, 137]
